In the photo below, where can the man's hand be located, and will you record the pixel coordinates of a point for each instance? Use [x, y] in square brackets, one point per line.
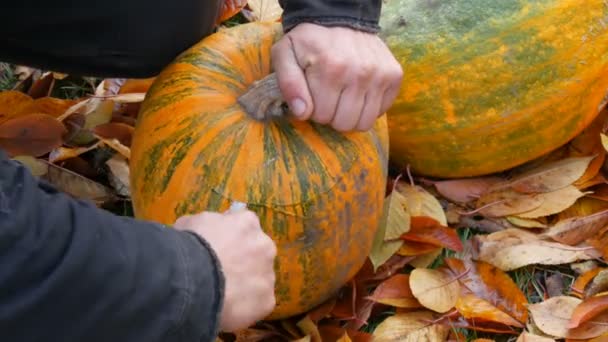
[247, 256]
[335, 75]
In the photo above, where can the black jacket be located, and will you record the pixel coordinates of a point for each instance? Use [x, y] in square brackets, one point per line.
[70, 271]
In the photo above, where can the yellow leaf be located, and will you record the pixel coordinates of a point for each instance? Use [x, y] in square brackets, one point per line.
[398, 219]
[473, 307]
[553, 315]
[420, 202]
[309, 328]
[410, 327]
[434, 289]
[37, 167]
[549, 177]
[514, 248]
[265, 10]
[604, 138]
[554, 202]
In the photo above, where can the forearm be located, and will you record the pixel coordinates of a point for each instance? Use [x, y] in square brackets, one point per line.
[72, 272]
[358, 14]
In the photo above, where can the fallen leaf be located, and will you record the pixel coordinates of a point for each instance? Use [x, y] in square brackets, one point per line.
[77, 185]
[119, 175]
[382, 250]
[525, 223]
[507, 202]
[43, 86]
[124, 98]
[580, 284]
[574, 230]
[398, 219]
[116, 146]
[598, 284]
[37, 167]
[588, 310]
[513, 248]
[492, 284]
[554, 202]
[112, 130]
[309, 328]
[555, 285]
[436, 290]
[600, 243]
[466, 189]
[549, 177]
[62, 153]
[12, 103]
[552, 316]
[410, 327]
[427, 230]
[420, 202]
[265, 10]
[33, 135]
[473, 308]
[604, 140]
[395, 291]
[253, 335]
[48, 105]
[528, 337]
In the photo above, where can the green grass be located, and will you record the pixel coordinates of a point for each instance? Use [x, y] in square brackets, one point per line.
[8, 79]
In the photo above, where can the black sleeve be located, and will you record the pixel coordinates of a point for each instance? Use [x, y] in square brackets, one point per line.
[361, 15]
[73, 272]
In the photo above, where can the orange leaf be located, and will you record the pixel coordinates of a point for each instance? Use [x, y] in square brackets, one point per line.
[578, 287]
[229, 9]
[410, 248]
[12, 102]
[600, 242]
[473, 308]
[428, 230]
[588, 309]
[492, 284]
[478, 325]
[48, 105]
[136, 85]
[395, 291]
[113, 130]
[33, 135]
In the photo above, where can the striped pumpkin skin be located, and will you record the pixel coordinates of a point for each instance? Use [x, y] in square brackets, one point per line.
[489, 85]
[318, 193]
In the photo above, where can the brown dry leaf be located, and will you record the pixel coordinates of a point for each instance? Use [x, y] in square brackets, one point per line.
[62, 153]
[549, 177]
[410, 327]
[574, 230]
[474, 308]
[589, 310]
[37, 167]
[525, 223]
[436, 290]
[466, 189]
[124, 98]
[43, 86]
[579, 286]
[529, 337]
[265, 10]
[253, 335]
[598, 284]
[427, 230]
[113, 130]
[77, 185]
[554, 202]
[395, 291]
[513, 248]
[507, 203]
[490, 283]
[552, 316]
[33, 135]
[119, 175]
[12, 102]
[583, 207]
[420, 202]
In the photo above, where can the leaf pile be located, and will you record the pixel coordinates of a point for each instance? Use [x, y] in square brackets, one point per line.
[513, 256]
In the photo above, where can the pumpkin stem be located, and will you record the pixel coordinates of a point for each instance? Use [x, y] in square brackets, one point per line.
[263, 100]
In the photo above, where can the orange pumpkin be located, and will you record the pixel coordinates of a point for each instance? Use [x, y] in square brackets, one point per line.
[318, 193]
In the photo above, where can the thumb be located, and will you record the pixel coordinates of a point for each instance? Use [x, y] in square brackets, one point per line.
[292, 80]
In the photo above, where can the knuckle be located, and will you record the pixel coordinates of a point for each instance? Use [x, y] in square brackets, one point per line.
[365, 72]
